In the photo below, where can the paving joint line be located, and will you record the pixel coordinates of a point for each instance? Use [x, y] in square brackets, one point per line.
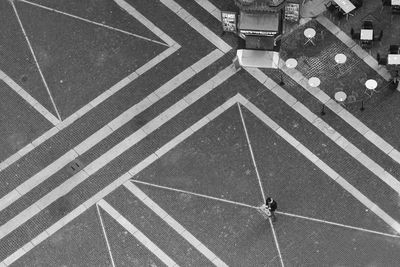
[93, 22]
[251, 153]
[276, 241]
[105, 235]
[337, 224]
[194, 194]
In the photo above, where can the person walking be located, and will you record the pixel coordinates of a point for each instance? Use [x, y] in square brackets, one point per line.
[271, 206]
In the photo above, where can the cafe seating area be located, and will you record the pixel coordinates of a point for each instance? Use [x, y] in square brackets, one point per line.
[339, 9]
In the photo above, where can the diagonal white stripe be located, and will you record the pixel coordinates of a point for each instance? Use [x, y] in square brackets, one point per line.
[36, 62]
[252, 154]
[194, 194]
[140, 236]
[93, 22]
[108, 129]
[28, 98]
[337, 224]
[173, 223]
[114, 152]
[105, 235]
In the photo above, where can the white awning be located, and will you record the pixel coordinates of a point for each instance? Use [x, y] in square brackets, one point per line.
[258, 58]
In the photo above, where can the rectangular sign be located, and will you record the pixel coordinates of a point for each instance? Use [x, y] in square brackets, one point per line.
[229, 20]
[292, 12]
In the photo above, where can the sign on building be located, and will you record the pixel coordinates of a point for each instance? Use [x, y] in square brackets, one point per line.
[292, 12]
[229, 21]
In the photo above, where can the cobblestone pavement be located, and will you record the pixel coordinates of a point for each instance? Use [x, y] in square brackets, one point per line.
[129, 139]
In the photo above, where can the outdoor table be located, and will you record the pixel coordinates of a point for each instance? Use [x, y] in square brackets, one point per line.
[291, 63]
[366, 34]
[340, 58]
[314, 81]
[393, 59]
[371, 84]
[310, 34]
[345, 5]
[340, 96]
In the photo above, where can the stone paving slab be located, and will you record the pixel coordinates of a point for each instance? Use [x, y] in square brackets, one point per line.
[238, 235]
[155, 229]
[80, 243]
[20, 123]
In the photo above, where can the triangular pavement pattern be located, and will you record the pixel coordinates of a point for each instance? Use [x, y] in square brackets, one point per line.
[309, 243]
[16, 60]
[238, 235]
[299, 186]
[214, 161]
[78, 243]
[104, 12]
[125, 248]
[80, 60]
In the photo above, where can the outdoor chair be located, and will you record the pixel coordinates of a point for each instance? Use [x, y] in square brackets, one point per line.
[367, 24]
[385, 3]
[366, 44]
[378, 37]
[393, 49]
[330, 8]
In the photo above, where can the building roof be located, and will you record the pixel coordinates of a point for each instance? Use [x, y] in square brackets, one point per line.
[260, 5]
[259, 22]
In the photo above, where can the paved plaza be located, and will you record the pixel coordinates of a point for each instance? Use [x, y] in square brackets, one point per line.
[128, 138]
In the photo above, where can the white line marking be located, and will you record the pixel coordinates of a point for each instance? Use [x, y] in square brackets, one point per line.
[95, 23]
[105, 235]
[276, 241]
[194, 194]
[173, 223]
[252, 154]
[126, 177]
[147, 23]
[210, 8]
[107, 157]
[115, 88]
[337, 224]
[198, 26]
[142, 238]
[28, 98]
[104, 132]
[36, 62]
